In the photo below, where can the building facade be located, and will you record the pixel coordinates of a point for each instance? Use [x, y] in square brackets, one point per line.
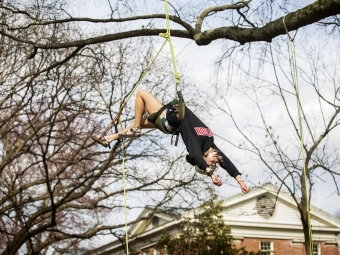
[266, 219]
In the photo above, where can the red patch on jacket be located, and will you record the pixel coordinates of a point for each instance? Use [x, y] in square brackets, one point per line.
[203, 131]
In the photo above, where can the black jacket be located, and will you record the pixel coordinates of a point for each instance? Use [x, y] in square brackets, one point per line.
[198, 138]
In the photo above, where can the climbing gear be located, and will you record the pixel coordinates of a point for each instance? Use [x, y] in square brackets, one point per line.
[177, 104]
[178, 107]
[102, 141]
[161, 123]
[167, 36]
[133, 134]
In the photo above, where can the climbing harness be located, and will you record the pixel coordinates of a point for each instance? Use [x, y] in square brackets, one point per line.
[296, 87]
[178, 107]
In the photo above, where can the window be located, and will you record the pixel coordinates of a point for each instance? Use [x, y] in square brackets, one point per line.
[266, 248]
[155, 221]
[316, 249]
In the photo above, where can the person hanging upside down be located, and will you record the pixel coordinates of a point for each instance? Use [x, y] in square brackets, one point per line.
[197, 137]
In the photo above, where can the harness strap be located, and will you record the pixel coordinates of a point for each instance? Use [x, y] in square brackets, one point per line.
[179, 106]
[177, 136]
[157, 114]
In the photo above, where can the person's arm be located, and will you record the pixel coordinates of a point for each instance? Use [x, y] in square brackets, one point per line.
[228, 165]
[232, 170]
[242, 184]
[216, 180]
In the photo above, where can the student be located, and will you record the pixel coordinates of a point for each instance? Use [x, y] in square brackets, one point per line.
[197, 137]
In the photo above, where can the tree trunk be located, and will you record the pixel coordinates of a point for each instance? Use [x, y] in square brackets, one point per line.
[305, 218]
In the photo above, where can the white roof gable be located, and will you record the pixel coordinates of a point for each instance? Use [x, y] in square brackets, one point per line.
[241, 212]
[144, 225]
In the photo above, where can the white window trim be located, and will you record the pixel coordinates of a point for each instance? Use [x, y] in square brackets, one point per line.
[271, 247]
[319, 250]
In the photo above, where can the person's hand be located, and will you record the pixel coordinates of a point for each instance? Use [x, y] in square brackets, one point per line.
[244, 187]
[217, 181]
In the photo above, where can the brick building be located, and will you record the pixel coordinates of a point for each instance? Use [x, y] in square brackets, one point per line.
[266, 219]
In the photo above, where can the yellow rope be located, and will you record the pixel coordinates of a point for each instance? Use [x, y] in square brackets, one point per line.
[131, 93]
[123, 146]
[167, 36]
[296, 86]
[145, 72]
[124, 185]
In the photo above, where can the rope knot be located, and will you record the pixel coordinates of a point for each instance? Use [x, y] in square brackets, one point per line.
[176, 75]
[165, 35]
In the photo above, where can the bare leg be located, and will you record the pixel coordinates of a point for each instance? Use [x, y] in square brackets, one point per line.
[144, 100]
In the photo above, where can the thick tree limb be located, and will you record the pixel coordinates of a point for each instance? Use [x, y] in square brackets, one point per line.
[308, 15]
